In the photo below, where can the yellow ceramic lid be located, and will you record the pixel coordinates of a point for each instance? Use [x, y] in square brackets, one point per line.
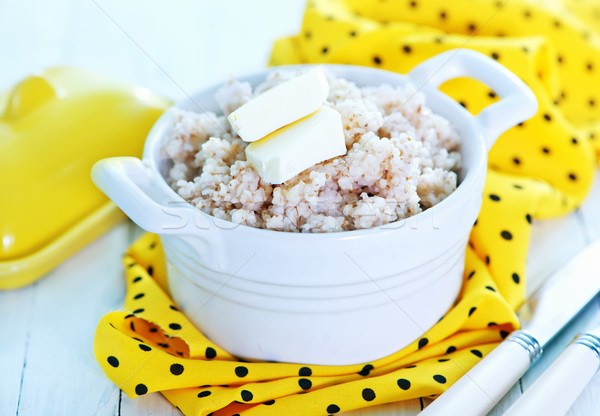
[53, 127]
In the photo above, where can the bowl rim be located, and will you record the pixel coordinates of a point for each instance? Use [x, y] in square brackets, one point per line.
[156, 135]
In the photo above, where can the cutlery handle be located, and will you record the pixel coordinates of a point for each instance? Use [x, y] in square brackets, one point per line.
[482, 387]
[556, 390]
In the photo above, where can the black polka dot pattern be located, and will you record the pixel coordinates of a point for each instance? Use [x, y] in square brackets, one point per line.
[305, 384]
[113, 361]
[366, 370]
[246, 395]
[204, 393]
[241, 371]
[141, 389]
[439, 378]
[368, 395]
[145, 347]
[477, 353]
[333, 408]
[210, 353]
[176, 369]
[423, 342]
[305, 372]
[403, 383]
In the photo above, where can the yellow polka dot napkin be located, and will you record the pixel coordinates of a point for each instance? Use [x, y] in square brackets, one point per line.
[151, 346]
[537, 170]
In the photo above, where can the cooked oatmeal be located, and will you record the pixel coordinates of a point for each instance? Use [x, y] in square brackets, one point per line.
[401, 159]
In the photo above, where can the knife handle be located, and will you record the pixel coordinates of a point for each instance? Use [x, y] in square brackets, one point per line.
[555, 391]
[482, 387]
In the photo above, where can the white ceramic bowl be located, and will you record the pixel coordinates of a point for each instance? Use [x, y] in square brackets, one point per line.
[336, 298]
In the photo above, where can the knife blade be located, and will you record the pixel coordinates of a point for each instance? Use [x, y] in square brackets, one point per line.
[542, 316]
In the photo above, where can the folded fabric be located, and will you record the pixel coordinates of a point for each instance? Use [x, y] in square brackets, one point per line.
[540, 169]
[551, 156]
[151, 346]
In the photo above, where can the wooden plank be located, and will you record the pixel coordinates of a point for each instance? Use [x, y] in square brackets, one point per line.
[553, 243]
[590, 211]
[61, 375]
[15, 313]
[150, 405]
[513, 394]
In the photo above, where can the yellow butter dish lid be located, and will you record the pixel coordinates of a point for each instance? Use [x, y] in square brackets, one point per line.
[53, 127]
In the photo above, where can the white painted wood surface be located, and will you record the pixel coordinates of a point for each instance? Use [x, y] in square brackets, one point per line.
[46, 361]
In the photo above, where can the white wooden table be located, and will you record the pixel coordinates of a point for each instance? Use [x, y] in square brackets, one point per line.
[46, 361]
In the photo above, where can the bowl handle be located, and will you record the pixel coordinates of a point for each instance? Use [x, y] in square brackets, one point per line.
[127, 181]
[517, 104]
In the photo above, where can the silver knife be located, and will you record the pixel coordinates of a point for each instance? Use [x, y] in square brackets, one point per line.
[542, 316]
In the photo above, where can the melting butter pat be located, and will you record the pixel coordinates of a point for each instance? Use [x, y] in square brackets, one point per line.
[288, 151]
[280, 106]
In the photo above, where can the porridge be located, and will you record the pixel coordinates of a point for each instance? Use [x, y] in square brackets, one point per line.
[400, 159]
